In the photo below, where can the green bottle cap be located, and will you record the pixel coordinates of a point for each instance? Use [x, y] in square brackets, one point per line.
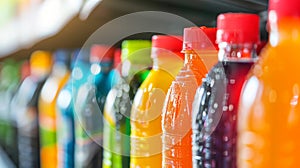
[137, 51]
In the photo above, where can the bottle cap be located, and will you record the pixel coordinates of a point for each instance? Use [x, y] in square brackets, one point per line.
[117, 58]
[62, 56]
[238, 28]
[101, 53]
[199, 38]
[41, 60]
[25, 69]
[136, 51]
[285, 8]
[163, 43]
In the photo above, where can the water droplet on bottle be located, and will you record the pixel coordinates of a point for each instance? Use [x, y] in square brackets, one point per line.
[230, 107]
[215, 105]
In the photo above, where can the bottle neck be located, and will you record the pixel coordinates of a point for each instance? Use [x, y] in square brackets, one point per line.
[237, 52]
[209, 57]
[59, 69]
[40, 72]
[189, 57]
[284, 29]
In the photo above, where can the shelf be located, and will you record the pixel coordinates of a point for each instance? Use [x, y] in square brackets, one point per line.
[85, 17]
[38, 22]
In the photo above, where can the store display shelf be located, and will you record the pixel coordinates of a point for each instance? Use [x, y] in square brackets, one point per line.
[72, 28]
[40, 22]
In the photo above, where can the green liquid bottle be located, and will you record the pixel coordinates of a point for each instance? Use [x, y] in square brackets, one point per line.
[135, 68]
[9, 82]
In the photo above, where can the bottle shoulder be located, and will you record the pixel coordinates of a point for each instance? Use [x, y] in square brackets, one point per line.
[157, 79]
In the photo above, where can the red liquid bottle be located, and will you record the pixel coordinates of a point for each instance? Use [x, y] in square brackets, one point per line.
[216, 101]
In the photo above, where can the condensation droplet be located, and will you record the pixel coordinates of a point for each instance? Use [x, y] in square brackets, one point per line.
[225, 138]
[231, 107]
[215, 105]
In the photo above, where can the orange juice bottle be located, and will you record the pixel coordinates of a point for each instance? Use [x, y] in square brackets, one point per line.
[147, 106]
[269, 112]
[177, 112]
[48, 110]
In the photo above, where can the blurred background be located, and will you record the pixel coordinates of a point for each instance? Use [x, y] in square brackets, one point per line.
[30, 25]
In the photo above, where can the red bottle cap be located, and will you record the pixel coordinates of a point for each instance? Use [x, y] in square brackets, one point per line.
[163, 43]
[101, 53]
[285, 8]
[25, 70]
[199, 38]
[238, 28]
[117, 58]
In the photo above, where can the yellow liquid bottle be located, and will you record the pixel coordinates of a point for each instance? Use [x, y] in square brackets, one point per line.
[269, 111]
[146, 144]
[48, 110]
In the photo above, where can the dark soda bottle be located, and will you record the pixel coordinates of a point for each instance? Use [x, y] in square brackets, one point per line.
[216, 101]
[24, 107]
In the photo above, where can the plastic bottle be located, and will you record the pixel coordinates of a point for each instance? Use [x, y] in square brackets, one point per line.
[146, 146]
[65, 116]
[13, 139]
[177, 111]
[66, 122]
[108, 137]
[134, 69]
[25, 110]
[9, 82]
[88, 107]
[216, 101]
[268, 120]
[47, 108]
